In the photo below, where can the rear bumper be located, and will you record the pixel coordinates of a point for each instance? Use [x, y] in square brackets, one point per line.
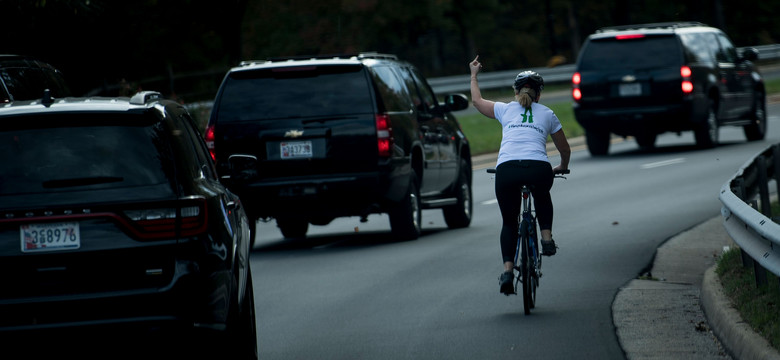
[638, 120]
[329, 196]
[191, 300]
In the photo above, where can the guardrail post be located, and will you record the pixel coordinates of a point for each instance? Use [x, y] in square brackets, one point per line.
[760, 274]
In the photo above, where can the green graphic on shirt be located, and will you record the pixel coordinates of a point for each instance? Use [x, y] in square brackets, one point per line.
[529, 118]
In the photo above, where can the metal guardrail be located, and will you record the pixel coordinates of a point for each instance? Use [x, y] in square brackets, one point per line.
[757, 235]
[558, 74]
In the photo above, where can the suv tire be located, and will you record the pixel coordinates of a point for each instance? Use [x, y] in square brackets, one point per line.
[292, 228]
[707, 132]
[242, 331]
[406, 216]
[598, 142]
[646, 141]
[757, 129]
[459, 215]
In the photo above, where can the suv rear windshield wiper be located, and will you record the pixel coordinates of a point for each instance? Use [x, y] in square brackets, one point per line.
[61, 183]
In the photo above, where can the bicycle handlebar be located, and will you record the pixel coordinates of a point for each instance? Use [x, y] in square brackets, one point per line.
[557, 172]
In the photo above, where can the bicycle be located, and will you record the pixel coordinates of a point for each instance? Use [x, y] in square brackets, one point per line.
[529, 269]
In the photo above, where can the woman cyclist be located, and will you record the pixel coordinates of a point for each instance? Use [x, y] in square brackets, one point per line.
[522, 159]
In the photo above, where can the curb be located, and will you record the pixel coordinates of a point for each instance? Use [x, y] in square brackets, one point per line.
[736, 335]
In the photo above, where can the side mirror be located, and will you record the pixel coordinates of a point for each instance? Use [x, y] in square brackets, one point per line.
[242, 167]
[455, 102]
[750, 54]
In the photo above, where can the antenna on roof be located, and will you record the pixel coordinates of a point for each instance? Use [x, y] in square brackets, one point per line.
[47, 100]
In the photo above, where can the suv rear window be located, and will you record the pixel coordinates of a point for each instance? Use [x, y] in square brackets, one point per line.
[295, 92]
[642, 53]
[42, 157]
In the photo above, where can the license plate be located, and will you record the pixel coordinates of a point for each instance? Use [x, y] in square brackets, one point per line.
[50, 237]
[634, 89]
[295, 149]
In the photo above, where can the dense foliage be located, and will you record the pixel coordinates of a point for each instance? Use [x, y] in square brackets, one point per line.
[183, 47]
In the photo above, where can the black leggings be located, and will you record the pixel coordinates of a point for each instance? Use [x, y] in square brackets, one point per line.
[510, 176]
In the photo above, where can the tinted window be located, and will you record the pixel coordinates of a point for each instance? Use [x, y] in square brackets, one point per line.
[93, 152]
[696, 47]
[392, 91]
[24, 83]
[429, 101]
[643, 53]
[295, 92]
[727, 51]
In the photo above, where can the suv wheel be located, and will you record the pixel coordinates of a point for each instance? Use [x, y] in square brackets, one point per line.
[459, 215]
[598, 142]
[757, 129]
[406, 216]
[242, 331]
[707, 132]
[292, 228]
[646, 141]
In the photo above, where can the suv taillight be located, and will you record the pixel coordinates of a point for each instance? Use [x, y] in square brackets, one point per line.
[186, 218]
[687, 84]
[576, 93]
[384, 135]
[209, 138]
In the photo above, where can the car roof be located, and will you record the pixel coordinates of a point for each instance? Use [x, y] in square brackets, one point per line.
[367, 58]
[660, 29]
[140, 102]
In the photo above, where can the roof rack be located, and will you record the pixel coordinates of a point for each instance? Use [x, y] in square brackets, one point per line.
[141, 97]
[363, 55]
[660, 25]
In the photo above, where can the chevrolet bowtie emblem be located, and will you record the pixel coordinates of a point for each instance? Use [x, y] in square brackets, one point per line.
[293, 133]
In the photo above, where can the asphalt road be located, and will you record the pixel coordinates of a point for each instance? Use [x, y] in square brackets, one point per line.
[350, 291]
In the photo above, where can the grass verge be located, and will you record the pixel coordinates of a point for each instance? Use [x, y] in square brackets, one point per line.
[759, 306]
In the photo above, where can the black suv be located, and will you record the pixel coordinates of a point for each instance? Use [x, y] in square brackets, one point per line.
[644, 80]
[25, 78]
[307, 140]
[112, 215]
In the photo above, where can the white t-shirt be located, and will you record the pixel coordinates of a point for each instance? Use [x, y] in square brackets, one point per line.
[525, 131]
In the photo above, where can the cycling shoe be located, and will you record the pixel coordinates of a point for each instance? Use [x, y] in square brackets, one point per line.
[506, 279]
[549, 248]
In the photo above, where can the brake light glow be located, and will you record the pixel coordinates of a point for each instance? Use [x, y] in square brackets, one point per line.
[687, 84]
[576, 93]
[629, 37]
[209, 138]
[384, 135]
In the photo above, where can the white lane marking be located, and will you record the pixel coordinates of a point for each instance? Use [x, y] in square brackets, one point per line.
[490, 202]
[663, 163]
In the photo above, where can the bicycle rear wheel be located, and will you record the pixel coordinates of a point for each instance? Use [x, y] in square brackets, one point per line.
[527, 270]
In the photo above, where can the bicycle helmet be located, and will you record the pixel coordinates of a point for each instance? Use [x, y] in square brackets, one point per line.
[531, 78]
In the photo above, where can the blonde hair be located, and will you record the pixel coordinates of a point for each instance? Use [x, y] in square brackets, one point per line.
[526, 96]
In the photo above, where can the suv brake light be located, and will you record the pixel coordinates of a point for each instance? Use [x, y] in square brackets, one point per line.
[629, 37]
[576, 93]
[384, 135]
[687, 84]
[181, 219]
[209, 138]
